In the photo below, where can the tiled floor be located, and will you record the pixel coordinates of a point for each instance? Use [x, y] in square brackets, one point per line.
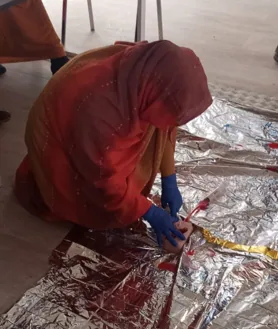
[235, 40]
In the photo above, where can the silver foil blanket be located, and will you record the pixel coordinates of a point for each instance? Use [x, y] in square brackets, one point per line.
[216, 288]
[227, 274]
[245, 211]
[98, 281]
[242, 129]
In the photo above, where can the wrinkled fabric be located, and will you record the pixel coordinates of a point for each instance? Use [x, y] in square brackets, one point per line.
[97, 133]
[27, 34]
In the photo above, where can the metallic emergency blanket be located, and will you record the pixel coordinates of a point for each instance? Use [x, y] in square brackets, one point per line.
[227, 274]
[243, 129]
[218, 289]
[98, 281]
[244, 212]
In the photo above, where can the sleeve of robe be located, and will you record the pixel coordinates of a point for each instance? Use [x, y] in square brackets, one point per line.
[167, 166]
[105, 168]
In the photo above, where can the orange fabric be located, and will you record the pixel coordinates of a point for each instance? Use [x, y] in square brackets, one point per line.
[26, 34]
[94, 143]
[167, 167]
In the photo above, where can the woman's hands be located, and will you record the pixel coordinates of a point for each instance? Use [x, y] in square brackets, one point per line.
[163, 225]
[186, 228]
[171, 195]
[161, 222]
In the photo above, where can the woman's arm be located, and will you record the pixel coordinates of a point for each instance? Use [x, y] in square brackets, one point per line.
[171, 195]
[167, 166]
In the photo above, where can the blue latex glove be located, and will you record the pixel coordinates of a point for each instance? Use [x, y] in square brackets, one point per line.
[171, 195]
[163, 224]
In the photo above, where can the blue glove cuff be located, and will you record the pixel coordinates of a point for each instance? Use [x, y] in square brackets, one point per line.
[150, 213]
[169, 181]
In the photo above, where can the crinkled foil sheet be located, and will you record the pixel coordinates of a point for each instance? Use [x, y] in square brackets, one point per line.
[99, 280]
[227, 275]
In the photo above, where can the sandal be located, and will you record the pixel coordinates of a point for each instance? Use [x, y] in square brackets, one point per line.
[4, 116]
[2, 69]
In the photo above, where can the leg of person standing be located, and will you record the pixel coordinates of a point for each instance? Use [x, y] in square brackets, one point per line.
[27, 34]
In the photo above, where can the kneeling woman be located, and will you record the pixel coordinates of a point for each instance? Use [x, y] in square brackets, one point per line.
[103, 128]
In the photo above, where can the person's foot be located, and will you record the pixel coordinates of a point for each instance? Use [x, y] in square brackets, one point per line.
[2, 69]
[57, 63]
[276, 55]
[4, 116]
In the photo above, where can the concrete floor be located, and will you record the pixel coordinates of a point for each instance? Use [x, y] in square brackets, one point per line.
[235, 40]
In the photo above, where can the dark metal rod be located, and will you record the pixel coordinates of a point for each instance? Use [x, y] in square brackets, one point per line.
[159, 20]
[64, 21]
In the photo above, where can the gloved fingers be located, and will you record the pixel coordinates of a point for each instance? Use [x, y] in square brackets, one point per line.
[175, 208]
[159, 238]
[174, 211]
[174, 219]
[164, 204]
[179, 201]
[177, 233]
[171, 239]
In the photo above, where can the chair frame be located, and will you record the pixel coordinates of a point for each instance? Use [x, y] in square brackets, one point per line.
[140, 25]
[64, 19]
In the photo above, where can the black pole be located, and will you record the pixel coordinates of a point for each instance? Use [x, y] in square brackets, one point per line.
[64, 21]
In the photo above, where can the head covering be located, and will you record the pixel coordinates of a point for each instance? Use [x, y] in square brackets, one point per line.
[165, 82]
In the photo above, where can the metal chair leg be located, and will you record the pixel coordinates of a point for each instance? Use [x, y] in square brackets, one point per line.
[64, 21]
[159, 20]
[136, 26]
[140, 21]
[91, 16]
